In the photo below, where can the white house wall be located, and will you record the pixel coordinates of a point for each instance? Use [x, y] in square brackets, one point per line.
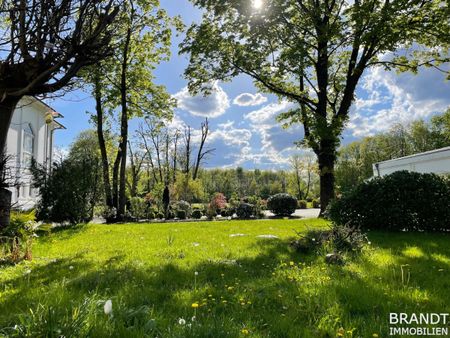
[435, 161]
[32, 112]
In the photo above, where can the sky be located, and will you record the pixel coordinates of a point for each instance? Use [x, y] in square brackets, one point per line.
[244, 131]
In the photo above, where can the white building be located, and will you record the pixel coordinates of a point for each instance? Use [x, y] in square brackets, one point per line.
[434, 161]
[30, 136]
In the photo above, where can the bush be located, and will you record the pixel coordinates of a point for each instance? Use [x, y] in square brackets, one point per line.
[197, 214]
[402, 201]
[302, 204]
[184, 206]
[227, 212]
[181, 214]
[315, 203]
[17, 237]
[339, 239]
[150, 214]
[160, 215]
[138, 207]
[218, 202]
[282, 204]
[245, 210]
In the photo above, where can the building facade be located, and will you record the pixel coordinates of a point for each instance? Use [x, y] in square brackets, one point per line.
[30, 136]
[434, 161]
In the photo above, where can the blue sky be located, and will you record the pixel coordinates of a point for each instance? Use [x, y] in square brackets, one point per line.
[242, 122]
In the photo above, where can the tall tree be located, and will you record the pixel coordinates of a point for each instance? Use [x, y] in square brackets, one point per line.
[312, 53]
[202, 152]
[44, 46]
[144, 36]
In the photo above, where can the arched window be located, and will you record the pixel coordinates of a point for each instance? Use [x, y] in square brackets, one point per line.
[28, 145]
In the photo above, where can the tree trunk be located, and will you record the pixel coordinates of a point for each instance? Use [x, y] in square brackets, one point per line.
[102, 145]
[123, 128]
[327, 159]
[7, 108]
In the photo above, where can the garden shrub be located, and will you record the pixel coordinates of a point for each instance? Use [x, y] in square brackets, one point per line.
[17, 237]
[228, 212]
[218, 202]
[138, 207]
[197, 214]
[150, 214]
[245, 210]
[160, 215]
[315, 203]
[302, 204]
[282, 204]
[181, 214]
[185, 206]
[402, 201]
[338, 239]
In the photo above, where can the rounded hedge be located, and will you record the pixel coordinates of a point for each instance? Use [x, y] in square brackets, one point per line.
[197, 214]
[181, 214]
[245, 210]
[402, 201]
[282, 204]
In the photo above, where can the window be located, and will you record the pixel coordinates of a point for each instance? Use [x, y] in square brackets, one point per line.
[28, 146]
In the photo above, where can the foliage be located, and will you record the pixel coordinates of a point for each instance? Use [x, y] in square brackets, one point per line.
[166, 200]
[70, 191]
[17, 238]
[282, 204]
[315, 203]
[187, 189]
[245, 210]
[355, 160]
[338, 239]
[197, 214]
[185, 206]
[138, 208]
[181, 214]
[313, 55]
[400, 201]
[302, 204]
[218, 202]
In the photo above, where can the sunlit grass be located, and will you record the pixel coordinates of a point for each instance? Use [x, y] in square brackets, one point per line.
[194, 280]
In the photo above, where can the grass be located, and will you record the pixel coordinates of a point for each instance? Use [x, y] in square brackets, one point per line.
[157, 274]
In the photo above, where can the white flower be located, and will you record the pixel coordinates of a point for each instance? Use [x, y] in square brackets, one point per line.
[369, 243]
[181, 321]
[313, 239]
[193, 318]
[108, 307]
[71, 267]
[196, 273]
[195, 244]
[27, 272]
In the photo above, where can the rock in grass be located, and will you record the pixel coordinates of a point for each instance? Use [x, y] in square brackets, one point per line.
[334, 259]
[267, 236]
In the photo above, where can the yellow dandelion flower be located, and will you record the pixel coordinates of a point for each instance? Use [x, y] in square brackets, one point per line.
[291, 263]
[194, 305]
[245, 331]
[375, 335]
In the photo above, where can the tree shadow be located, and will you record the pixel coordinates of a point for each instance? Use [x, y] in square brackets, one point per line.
[264, 292]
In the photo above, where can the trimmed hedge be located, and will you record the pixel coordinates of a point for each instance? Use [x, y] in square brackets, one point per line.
[282, 204]
[197, 214]
[402, 201]
[245, 211]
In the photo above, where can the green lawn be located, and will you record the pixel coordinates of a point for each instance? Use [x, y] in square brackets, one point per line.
[245, 285]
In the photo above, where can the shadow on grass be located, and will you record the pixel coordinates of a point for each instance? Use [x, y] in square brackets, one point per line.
[262, 293]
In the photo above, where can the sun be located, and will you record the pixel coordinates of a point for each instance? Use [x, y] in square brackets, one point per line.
[257, 4]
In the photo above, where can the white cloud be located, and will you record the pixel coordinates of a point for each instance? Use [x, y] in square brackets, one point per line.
[213, 105]
[231, 136]
[247, 99]
[393, 98]
[268, 113]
